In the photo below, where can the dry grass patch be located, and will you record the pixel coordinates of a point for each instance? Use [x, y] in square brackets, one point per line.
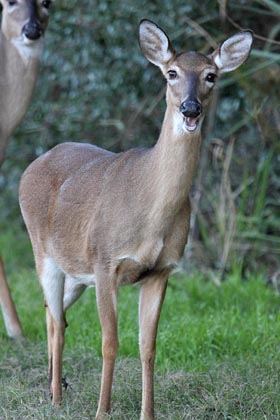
[237, 390]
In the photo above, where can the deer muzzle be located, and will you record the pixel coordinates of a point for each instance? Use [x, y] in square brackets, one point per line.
[32, 31]
[191, 110]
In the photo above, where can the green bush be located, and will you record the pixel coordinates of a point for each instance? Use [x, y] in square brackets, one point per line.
[96, 86]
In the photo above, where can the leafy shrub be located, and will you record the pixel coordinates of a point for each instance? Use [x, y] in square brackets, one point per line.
[96, 86]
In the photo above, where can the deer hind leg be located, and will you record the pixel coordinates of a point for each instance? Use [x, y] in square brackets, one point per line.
[106, 295]
[72, 292]
[52, 280]
[151, 298]
[10, 316]
[50, 334]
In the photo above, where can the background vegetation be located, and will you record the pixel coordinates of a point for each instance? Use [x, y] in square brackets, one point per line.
[96, 86]
[218, 347]
[217, 353]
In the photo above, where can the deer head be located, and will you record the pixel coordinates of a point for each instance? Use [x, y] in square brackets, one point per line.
[24, 20]
[190, 75]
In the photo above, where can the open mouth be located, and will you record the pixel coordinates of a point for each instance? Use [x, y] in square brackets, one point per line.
[190, 123]
[29, 41]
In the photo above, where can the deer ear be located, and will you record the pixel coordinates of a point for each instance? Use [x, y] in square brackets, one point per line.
[233, 51]
[154, 43]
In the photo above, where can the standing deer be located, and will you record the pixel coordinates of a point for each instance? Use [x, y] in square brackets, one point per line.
[99, 218]
[21, 44]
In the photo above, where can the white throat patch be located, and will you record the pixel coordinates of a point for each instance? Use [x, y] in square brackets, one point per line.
[178, 125]
[28, 49]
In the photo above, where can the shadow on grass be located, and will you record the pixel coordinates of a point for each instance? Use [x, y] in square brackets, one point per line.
[237, 390]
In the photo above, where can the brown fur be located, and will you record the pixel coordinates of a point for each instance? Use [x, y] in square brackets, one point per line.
[123, 218]
[18, 74]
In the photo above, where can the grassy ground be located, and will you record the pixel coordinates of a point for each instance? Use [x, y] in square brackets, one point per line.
[217, 357]
[235, 390]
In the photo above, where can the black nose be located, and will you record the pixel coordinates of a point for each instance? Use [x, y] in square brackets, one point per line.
[32, 30]
[191, 108]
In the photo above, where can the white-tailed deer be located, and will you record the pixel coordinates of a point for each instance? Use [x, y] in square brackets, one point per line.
[21, 42]
[105, 219]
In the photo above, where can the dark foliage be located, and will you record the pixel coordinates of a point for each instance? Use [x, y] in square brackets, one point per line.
[96, 86]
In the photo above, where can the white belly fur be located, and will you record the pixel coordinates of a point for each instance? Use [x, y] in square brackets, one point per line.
[61, 290]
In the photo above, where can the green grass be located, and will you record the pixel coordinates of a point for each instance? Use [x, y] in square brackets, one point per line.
[217, 353]
[239, 390]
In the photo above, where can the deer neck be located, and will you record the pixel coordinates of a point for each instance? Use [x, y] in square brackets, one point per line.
[175, 158]
[18, 74]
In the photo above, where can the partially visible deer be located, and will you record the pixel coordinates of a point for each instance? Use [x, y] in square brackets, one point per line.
[21, 43]
[99, 218]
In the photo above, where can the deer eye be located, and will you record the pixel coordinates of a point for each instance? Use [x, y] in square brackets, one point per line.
[46, 3]
[12, 2]
[211, 77]
[172, 74]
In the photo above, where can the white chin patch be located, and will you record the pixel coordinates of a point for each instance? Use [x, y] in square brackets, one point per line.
[27, 48]
[28, 42]
[190, 124]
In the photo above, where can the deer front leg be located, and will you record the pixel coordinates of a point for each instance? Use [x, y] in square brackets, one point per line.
[106, 295]
[151, 298]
